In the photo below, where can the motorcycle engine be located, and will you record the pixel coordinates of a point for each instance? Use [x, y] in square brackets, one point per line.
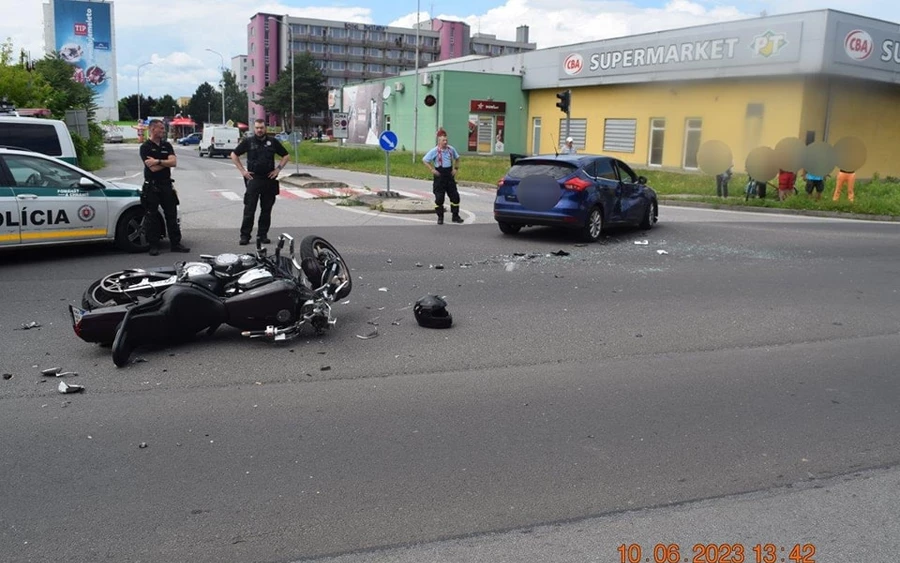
[226, 263]
[254, 278]
[195, 269]
[247, 260]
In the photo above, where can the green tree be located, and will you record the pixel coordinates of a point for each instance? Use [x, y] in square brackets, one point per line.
[166, 106]
[310, 93]
[148, 106]
[203, 104]
[66, 93]
[235, 99]
[124, 112]
[18, 85]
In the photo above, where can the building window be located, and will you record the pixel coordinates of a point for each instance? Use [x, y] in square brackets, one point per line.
[392, 69]
[357, 34]
[427, 57]
[657, 140]
[376, 36]
[375, 53]
[356, 67]
[392, 54]
[338, 49]
[577, 130]
[358, 51]
[316, 30]
[376, 68]
[387, 122]
[338, 65]
[316, 48]
[692, 130]
[619, 134]
[339, 32]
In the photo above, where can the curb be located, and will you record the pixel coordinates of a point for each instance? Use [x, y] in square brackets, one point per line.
[675, 202]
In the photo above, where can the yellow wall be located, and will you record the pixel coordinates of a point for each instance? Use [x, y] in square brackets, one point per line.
[792, 106]
[870, 111]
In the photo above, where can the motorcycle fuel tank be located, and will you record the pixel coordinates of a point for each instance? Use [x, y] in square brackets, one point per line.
[274, 303]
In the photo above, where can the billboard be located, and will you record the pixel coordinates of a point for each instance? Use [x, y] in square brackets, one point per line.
[363, 103]
[83, 37]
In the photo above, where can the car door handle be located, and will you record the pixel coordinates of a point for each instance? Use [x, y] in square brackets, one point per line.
[26, 196]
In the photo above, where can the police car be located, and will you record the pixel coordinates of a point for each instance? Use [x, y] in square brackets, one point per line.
[45, 201]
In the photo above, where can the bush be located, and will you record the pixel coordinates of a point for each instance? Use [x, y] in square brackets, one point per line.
[89, 151]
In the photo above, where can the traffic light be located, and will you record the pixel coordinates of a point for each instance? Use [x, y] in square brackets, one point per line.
[564, 99]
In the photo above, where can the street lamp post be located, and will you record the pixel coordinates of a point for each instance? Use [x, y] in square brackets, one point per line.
[139, 89]
[290, 34]
[222, 68]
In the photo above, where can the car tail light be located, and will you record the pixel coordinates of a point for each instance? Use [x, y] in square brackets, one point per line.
[576, 184]
[500, 182]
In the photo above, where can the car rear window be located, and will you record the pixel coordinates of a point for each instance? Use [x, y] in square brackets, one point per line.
[556, 170]
[32, 136]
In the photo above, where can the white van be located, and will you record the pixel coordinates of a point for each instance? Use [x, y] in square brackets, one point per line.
[219, 139]
[46, 136]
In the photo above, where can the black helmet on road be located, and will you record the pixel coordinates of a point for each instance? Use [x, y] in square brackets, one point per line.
[431, 312]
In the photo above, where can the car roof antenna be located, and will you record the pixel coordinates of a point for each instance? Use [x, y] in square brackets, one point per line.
[555, 146]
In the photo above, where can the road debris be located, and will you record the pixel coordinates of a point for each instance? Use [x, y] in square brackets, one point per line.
[642, 242]
[7, 376]
[31, 325]
[560, 252]
[143, 445]
[382, 289]
[51, 371]
[661, 251]
[372, 334]
[64, 388]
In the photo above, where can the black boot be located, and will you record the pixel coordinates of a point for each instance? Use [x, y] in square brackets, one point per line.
[440, 218]
[456, 218]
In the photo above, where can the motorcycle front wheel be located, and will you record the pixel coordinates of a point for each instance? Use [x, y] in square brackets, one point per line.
[324, 253]
[111, 289]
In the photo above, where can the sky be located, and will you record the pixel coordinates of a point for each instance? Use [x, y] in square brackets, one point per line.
[175, 35]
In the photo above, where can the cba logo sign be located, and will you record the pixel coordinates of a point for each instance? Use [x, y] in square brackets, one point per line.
[573, 64]
[86, 213]
[858, 45]
[768, 44]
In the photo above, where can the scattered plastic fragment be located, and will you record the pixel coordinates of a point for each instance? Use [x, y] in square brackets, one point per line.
[438, 266]
[382, 289]
[7, 376]
[143, 445]
[642, 242]
[372, 334]
[661, 251]
[510, 266]
[51, 371]
[29, 326]
[325, 368]
[64, 388]
[396, 322]
[560, 252]
[418, 264]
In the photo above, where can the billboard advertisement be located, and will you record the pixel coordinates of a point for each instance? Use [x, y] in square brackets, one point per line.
[363, 103]
[83, 38]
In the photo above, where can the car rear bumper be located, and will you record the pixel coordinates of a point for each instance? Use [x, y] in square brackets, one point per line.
[516, 214]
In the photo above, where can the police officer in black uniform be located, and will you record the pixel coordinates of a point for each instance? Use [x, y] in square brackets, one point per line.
[159, 160]
[260, 179]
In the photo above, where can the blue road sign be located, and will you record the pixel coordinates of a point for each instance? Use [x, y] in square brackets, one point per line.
[388, 140]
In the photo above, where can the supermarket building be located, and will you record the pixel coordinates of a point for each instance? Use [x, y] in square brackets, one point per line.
[653, 99]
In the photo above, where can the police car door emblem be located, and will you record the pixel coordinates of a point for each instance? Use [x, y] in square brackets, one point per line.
[86, 213]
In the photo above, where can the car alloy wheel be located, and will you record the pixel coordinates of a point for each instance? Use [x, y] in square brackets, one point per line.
[594, 226]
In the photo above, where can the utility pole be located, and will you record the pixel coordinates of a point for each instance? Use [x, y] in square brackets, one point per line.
[139, 90]
[222, 68]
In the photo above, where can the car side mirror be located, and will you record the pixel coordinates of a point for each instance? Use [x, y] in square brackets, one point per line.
[641, 180]
[85, 182]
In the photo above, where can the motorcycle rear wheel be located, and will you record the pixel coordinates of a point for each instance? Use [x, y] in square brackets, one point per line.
[322, 251]
[110, 289]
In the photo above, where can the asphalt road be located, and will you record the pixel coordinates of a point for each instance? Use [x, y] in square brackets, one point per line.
[739, 388]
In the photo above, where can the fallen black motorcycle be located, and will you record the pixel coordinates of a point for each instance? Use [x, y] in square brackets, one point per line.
[270, 297]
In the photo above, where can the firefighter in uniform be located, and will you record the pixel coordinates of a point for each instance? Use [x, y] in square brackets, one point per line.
[443, 162]
[260, 179]
[157, 191]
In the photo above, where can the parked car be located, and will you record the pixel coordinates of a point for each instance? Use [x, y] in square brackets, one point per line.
[45, 201]
[192, 139]
[47, 136]
[113, 137]
[586, 193]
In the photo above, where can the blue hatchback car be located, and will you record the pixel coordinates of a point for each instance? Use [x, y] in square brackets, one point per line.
[192, 139]
[581, 192]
